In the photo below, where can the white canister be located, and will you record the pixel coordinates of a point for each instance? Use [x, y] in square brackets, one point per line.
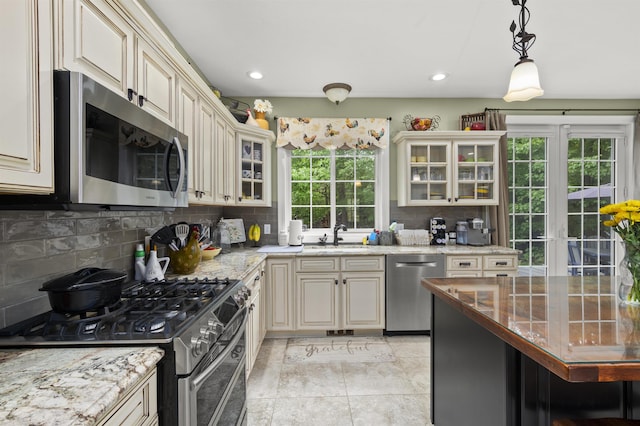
[295, 233]
[283, 238]
[477, 223]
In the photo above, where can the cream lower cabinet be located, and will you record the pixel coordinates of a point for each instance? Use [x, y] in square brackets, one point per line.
[279, 294]
[339, 293]
[139, 407]
[26, 119]
[488, 265]
[255, 330]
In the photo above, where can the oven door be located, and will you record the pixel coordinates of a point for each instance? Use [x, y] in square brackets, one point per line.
[215, 393]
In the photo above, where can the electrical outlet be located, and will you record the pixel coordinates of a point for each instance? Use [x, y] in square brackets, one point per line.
[267, 228]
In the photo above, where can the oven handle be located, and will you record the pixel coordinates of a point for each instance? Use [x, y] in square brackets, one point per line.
[182, 168]
[196, 382]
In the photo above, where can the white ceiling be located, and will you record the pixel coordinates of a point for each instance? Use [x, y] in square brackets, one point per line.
[585, 49]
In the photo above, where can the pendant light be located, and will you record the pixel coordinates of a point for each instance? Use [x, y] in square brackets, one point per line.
[524, 83]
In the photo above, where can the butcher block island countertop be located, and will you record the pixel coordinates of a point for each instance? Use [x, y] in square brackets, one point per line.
[571, 325]
[69, 386]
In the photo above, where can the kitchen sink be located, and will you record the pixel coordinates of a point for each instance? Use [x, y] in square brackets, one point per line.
[341, 247]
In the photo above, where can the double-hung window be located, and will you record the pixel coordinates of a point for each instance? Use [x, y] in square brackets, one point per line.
[329, 187]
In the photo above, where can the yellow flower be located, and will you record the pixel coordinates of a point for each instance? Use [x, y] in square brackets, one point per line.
[609, 223]
[610, 209]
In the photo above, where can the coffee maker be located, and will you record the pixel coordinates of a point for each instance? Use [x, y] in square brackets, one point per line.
[477, 234]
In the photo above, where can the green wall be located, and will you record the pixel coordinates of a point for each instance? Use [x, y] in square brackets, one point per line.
[449, 111]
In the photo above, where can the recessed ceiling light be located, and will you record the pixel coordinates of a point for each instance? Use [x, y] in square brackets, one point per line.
[256, 75]
[439, 76]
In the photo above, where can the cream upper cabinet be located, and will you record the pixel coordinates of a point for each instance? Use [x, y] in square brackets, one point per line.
[187, 121]
[254, 171]
[26, 118]
[448, 168]
[98, 42]
[156, 86]
[224, 171]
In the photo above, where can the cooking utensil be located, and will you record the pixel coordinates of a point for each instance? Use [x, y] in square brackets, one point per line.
[182, 232]
[164, 235]
[85, 290]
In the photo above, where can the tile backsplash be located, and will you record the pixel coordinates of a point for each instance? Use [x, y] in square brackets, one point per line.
[39, 245]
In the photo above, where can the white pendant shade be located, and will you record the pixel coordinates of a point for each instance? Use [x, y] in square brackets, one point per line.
[524, 83]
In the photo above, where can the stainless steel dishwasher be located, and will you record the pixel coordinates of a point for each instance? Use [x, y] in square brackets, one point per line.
[408, 303]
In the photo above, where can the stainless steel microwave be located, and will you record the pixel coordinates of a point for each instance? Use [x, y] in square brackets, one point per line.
[109, 153]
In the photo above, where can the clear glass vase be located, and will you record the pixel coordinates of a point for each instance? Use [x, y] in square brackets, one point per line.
[629, 277]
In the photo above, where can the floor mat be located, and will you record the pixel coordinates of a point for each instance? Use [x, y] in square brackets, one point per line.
[342, 349]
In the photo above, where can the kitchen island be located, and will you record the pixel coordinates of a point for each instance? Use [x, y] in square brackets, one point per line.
[528, 350]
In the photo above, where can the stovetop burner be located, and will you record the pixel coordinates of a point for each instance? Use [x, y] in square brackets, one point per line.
[146, 310]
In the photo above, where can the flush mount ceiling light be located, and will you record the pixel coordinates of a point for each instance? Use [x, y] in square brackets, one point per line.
[439, 76]
[337, 92]
[256, 75]
[524, 83]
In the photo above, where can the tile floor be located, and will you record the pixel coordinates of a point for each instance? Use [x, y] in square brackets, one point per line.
[341, 381]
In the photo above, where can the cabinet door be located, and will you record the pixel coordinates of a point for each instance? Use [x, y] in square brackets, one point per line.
[475, 173]
[279, 287]
[26, 144]
[225, 157]
[363, 301]
[156, 83]
[187, 123]
[425, 173]
[254, 171]
[205, 146]
[99, 43]
[317, 297]
[256, 338]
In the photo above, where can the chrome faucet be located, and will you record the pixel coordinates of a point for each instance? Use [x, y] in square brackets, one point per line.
[335, 233]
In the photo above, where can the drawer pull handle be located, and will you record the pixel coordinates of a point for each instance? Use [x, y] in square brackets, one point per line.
[502, 275]
[502, 263]
[465, 263]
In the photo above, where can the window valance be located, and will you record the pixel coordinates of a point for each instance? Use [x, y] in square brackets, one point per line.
[332, 133]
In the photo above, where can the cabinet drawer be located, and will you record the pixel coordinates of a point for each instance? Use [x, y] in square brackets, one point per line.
[317, 264]
[462, 263]
[500, 262]
[499, 273]
[362, 263]
[468, 274]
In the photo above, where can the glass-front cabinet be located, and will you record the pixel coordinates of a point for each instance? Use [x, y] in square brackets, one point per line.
[447, 168]
[254, 180]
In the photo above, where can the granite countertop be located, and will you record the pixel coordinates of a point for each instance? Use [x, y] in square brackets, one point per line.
[68, 386]
[573, 326]
[240, 262]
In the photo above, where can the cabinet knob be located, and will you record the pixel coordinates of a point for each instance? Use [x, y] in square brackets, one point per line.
[130, 94]
[344, 281]
[336, 282]
[141, 100]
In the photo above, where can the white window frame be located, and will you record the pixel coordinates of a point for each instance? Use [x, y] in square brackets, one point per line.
[283, 165]
[557, 128]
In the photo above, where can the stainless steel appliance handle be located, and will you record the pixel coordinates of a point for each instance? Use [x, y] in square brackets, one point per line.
[181, 167]
[196, 382]
[416, 264]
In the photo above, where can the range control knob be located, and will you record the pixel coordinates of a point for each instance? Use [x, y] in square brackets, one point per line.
[239, 298]
[198, 345]
[246, 290]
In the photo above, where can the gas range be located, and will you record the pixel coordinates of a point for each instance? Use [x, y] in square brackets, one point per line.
[188, 314]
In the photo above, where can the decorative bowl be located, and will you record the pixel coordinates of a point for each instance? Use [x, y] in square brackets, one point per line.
[210, 252]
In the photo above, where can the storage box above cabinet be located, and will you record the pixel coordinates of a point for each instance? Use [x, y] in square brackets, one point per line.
[448, 168]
